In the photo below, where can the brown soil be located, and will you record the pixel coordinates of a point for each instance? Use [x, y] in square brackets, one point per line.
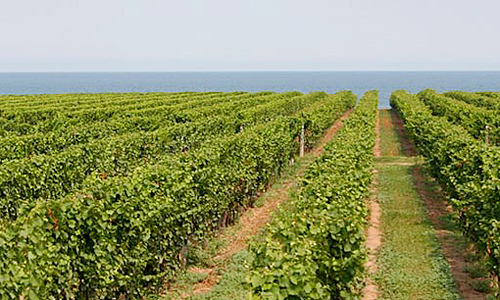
[373, 242]
[454, 254]
[371, 290]
[373, 233]
[406, 143]
[374, 239]
[256, 218]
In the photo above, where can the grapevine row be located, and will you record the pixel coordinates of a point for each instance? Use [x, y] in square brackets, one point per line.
[490, 94]
[120, 234]
[24, 181]
[34, 115]
[468, 170]
[475, 99]
[62, 138]
[25, 123]
[479, 122]
[9, 103]
[316, 249]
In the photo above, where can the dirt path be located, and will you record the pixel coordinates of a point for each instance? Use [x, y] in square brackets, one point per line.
[373, 233]
[373, 242]
[251, 221]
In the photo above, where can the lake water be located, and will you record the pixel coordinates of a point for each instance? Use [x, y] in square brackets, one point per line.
[358, 82]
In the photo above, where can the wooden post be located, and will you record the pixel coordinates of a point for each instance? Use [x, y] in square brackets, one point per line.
[302, 141]
[183, 256]
[487, 138]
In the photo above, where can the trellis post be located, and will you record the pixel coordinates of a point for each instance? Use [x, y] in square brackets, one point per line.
[302, 141]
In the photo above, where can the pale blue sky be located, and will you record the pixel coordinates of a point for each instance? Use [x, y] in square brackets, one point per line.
[256, 35]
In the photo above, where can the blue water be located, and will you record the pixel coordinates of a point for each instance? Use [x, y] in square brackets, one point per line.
[358, 82]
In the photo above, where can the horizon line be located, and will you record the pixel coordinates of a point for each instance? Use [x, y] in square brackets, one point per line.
[256, 71]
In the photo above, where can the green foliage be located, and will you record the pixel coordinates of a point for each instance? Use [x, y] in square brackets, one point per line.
[478, 99]
[76, 130]
[24, 181]
[467, 168]
[316, 250]
[118, 234]
[478, 121]
[19, 120]
[489, 94]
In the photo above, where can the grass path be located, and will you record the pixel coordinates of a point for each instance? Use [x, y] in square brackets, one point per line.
[410, 262]
[217, 270]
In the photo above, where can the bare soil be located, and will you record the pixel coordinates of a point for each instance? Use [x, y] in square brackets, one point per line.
[373, 242]
[373, 233]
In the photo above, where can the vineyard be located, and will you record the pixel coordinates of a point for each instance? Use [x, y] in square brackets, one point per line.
[103, 196]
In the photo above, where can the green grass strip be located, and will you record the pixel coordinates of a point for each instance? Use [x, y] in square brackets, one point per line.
[390, 141]
[411, 265]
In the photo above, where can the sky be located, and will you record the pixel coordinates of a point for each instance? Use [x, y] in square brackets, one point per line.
[249, 35]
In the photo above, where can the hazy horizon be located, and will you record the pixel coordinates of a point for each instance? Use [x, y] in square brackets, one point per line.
[270, 71]
[249, 36]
